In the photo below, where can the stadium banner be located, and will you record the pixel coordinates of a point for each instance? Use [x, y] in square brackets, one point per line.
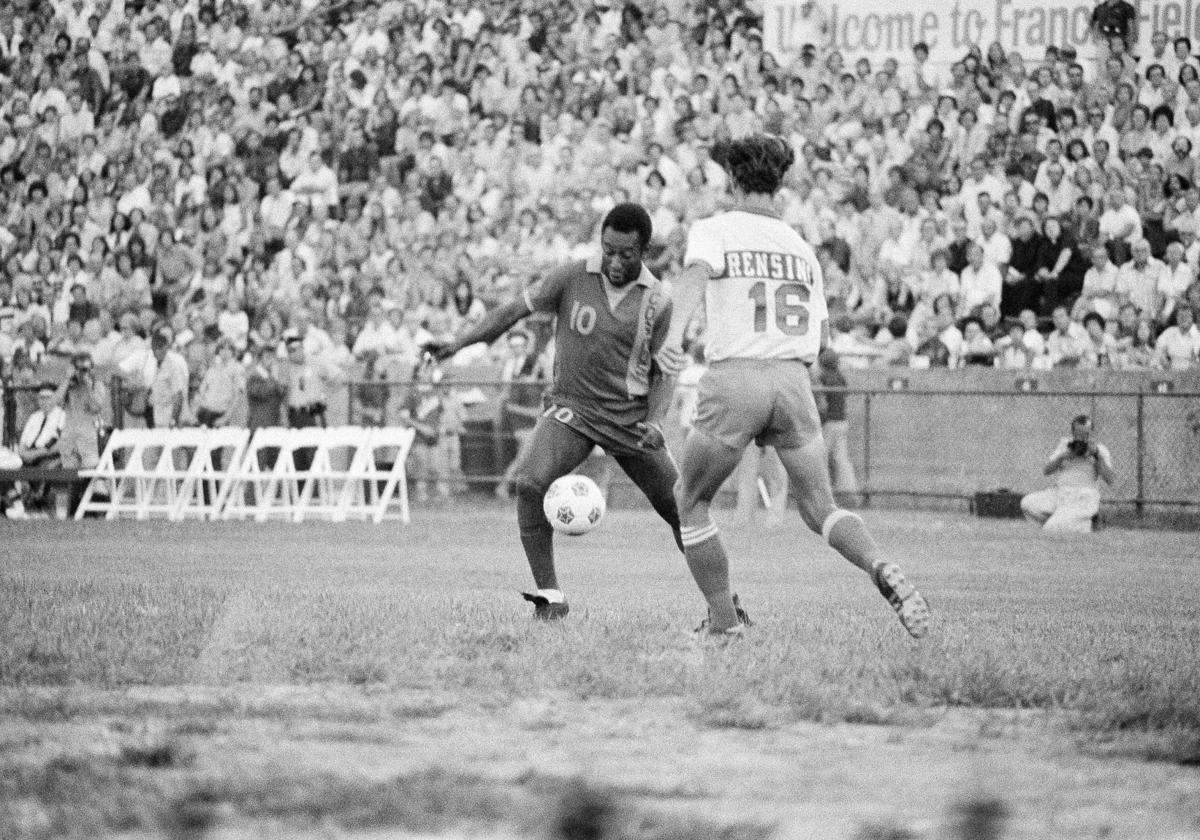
[877, 30]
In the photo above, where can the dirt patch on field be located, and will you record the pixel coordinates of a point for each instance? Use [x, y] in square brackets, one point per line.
[337, 761]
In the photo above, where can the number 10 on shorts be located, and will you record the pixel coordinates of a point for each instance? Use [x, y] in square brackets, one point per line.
[791, 313]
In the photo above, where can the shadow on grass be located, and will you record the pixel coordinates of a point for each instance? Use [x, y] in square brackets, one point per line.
[150, 788]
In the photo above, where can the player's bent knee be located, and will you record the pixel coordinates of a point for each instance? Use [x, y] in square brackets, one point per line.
[528, 486]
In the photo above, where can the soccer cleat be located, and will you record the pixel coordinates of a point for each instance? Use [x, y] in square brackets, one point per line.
[908, 603]
[730, 632]
[543, 610]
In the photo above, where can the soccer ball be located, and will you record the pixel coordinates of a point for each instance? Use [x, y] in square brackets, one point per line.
[574, 505]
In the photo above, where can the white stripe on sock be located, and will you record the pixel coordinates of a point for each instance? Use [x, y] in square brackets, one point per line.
[833, 519]
[695, 536]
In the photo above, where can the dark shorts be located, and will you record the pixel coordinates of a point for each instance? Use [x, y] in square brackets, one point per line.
[610, 434]
[768, 401]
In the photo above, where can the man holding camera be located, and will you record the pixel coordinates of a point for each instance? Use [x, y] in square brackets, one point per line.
[1078, 465]
[88, 411]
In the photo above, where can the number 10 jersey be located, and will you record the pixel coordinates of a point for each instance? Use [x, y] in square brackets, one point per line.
[767, 297]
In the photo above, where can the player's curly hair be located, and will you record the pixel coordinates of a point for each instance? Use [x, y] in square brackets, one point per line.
[756, 163]
[630, 218]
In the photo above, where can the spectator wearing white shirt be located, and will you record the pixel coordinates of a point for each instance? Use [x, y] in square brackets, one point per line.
[980, 282]
[1173, 282]
[1068, 345]
[377, 336]
[275, 208]
[317, 184]
[77, 121]
[1139, 280]
[1034, 341]
[1100, 284]
[39, 436]
[1120, 223]
[1060, 191]
[157, 379]
[979, 181]
[234, 324]
[997, 247]
[1178, 348]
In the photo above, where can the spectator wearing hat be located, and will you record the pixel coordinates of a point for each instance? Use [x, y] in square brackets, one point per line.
[308, 381]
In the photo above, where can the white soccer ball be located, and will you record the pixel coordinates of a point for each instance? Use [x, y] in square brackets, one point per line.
[574, 505]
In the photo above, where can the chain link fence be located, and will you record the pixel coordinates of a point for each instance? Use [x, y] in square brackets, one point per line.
[908, 445]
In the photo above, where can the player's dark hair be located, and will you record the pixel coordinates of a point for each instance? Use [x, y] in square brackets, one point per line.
[630, 218]
[756, 163]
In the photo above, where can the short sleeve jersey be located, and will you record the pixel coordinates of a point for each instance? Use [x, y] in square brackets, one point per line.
[767, 296]
[603, 356]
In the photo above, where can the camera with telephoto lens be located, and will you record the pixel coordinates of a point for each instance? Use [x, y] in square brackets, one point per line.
[1078, 448]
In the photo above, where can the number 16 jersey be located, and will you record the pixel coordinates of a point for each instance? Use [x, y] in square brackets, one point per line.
[767, 297]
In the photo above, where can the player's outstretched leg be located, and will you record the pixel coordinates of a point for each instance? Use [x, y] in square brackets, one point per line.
[554, 450]
[848, 535]
[653, 472]
[705, 466]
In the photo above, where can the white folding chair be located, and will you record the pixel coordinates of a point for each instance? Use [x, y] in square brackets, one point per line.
[264, 484]
[339, 461]
[182, 449]
[204, 488]
[121, 472]
[387, 451]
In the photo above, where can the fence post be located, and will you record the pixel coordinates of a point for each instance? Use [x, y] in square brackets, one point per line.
[117, 397]
[8, 405]
[866, 483]
[1141, 452]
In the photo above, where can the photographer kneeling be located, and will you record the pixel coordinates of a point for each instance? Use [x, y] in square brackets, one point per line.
[1078, 464]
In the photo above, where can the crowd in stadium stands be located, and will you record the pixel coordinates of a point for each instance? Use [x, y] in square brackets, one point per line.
[216, 176]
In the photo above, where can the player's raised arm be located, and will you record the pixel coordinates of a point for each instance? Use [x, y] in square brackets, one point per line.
[540, 295]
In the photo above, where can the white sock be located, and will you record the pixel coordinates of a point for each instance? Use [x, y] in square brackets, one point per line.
[554, 596]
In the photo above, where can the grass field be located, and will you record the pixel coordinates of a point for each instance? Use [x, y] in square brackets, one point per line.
[235, 680]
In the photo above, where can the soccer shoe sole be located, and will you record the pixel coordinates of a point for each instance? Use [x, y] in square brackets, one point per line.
[909, 604]
[543, 610]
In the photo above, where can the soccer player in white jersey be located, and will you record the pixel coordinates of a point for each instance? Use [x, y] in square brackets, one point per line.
[766, 323]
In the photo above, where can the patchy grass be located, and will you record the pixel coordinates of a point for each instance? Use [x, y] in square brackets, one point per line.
[1097, 627]
[424, 624]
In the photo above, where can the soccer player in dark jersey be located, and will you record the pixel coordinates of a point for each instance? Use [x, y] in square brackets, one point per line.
[607, 389]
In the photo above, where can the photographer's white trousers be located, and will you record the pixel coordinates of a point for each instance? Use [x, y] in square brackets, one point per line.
[1063, 508]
